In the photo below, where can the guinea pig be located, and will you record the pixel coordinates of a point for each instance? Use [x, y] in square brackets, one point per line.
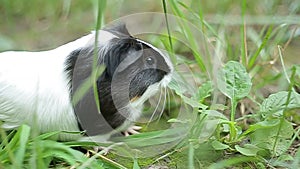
[37, 88]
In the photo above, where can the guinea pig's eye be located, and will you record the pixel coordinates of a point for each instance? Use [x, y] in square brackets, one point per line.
[150, 60]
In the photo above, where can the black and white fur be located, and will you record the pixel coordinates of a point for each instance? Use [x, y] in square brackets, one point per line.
[36, 88]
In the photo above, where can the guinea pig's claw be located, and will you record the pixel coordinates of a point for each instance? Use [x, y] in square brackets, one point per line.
[132, 130]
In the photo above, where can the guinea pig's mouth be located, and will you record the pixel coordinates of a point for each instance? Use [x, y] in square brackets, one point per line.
[138, 101]
[166, 80]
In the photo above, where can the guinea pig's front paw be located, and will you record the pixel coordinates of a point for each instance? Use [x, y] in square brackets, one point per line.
[101, 150]
[132, 130]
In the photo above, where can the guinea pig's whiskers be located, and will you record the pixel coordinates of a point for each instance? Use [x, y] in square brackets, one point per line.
[156, 108]
[164, 102]
[169, 100]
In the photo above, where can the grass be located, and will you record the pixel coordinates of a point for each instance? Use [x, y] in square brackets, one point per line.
[241, 109]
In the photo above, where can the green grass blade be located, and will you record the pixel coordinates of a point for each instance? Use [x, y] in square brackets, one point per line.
[167, 22]
[243, 35]
[200, 17]
[100, 16]
[188, 35]
[21, 150]
[264, 43]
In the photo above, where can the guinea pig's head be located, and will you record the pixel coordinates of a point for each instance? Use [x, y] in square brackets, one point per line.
[136, 69]
[135, 66]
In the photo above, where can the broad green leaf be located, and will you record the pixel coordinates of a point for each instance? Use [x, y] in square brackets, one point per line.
[218, 145]
[266, 136]
[277, 103]
[248, 149]
[234, 81]
[262, 125]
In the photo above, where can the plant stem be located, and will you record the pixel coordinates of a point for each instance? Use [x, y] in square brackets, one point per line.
[233, 107]
[191, 156]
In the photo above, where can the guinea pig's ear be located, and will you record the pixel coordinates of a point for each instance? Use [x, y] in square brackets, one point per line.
[119, 30]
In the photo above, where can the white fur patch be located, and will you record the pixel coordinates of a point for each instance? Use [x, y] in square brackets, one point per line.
[34, 88]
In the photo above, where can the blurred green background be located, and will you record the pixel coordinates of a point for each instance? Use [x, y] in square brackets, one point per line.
[37, 25]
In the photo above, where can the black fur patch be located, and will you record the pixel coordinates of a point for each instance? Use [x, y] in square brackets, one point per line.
[117, 52]
[71, 61]
[69, 69]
